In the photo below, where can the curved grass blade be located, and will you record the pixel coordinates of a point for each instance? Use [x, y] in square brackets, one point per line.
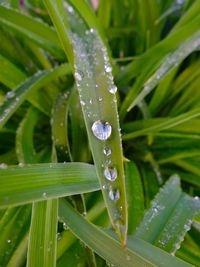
[36, 31]
[169, 63]
[169, 217]
[10, 75]
[12, 101]
[138, 252]
[42, 240]
[24, 138]
[59, 123]
[20, 185]
[13, 227]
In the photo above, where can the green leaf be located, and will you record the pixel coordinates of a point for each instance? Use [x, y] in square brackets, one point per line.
[135, 196]
[36, 182]
[138, 252]
[99, 108]
[170, 216]
[10, 75]
[43, 231]
[12, 101]
[32, 29]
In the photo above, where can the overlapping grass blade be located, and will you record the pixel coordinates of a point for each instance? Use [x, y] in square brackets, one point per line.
[170, 61]
[32, 29]
[36, 182]
[138, 252]
[13, 100]
[171, 212]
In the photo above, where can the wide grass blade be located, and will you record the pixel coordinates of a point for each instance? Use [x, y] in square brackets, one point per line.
[20, 185]
[170, 216]
[42, 240]
[97, 96]
[138, 252]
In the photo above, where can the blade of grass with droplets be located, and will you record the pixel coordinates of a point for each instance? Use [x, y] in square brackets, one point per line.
[97, 96]
[13, 100]
[171, 212]
[169, 63]
[59, 124]
[137, 253]
[13, 227]
[20, 185]
[42, 240]
[36, 31]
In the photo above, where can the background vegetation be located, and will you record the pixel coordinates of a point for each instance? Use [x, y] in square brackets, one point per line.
[62, 181]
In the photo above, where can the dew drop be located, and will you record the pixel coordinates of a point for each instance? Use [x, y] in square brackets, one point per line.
[65, 226]
[110, 174]
[44, 195]
[82, 103]
[58, 236]
[10, 94]
[102, 130]
[8, 241]
[108, 68]
[107, 151]
[114, 194]
[79, 75]
[3, 166]
[113, 89]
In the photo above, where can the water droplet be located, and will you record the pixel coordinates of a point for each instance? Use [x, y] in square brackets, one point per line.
[10, 94]
[65, 226]
[100, 99]
[110, 174]
[113, 89]
[79, 75]
[108, 68]
[102, 130]
[82, 103]
[44, 195]
[107, 151]
[3, 166]
[114, 194]
[8, 241]
[58, 236]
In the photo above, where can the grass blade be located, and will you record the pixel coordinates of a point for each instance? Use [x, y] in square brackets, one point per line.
[43, 231]
[34, 30]
[12, 101]
[99, 108]
[138, 252]
[20, 185]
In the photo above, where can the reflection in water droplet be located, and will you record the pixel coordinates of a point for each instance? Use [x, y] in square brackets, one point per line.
[110, 174]
[107, 151]
[108, 68]
[114, 194]
[65, 226]
[102, 130]
[113, 89]
[79, 75]
[58, 236]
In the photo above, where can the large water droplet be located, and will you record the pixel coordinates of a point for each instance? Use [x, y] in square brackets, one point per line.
[102, 130]
[114, 194]
[107, 151]
[110, 173]
[113, 89]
